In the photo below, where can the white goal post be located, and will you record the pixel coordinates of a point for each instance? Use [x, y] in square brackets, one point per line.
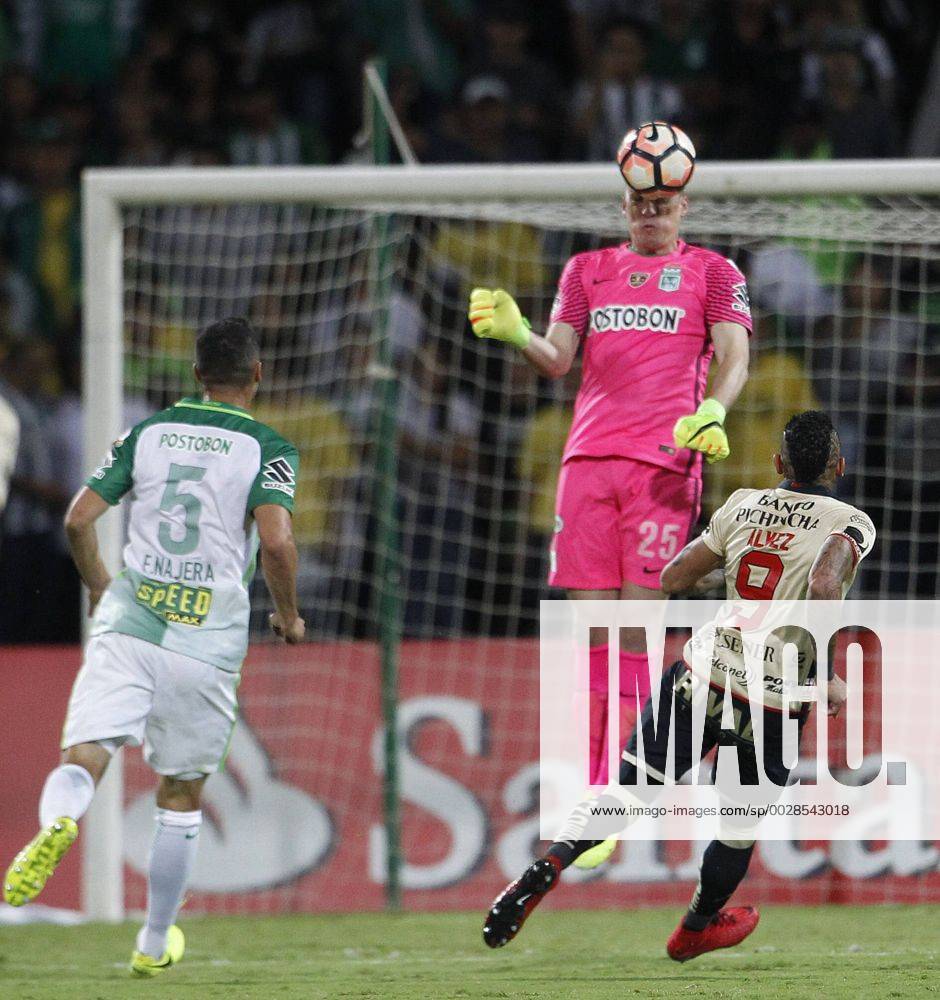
[106, 193]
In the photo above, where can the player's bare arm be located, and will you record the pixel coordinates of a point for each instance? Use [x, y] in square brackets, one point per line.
[693, 565]
[553, 354]
[730, 367]
[704, 430]
[279, 565]
[831, 569]
[84, 510]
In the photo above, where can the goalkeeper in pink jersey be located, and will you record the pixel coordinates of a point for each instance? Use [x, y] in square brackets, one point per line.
[651, 315]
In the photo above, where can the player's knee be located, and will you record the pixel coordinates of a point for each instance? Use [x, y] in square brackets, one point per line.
[739, 845]
[181, 793]
[93, 757]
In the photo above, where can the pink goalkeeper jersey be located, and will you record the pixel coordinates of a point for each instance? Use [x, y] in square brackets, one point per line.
[644, 322]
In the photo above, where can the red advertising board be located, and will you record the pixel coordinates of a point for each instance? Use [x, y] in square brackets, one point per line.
[294, 823]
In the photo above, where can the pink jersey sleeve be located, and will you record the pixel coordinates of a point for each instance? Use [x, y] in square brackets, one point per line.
[726, 299]
[571, 301]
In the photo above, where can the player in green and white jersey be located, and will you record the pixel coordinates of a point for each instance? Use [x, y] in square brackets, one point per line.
[207, 484]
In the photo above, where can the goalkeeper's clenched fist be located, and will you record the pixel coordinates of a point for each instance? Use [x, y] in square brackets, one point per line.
[495, 314]
[703, 431]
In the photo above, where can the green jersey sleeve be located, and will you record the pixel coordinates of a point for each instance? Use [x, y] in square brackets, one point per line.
[276, 481]
[115, 476]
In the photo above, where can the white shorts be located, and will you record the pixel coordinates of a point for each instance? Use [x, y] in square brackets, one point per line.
[182, 710]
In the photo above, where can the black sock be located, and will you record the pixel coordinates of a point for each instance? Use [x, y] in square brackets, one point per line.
[566, 850]
[722, 870]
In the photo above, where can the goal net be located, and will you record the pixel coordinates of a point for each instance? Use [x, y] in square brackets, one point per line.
[428, 468]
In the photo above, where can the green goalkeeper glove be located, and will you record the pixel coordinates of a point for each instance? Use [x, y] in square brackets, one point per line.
[703, 431]
[495, 314]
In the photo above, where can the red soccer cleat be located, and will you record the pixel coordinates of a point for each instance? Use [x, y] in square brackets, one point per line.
[728, 928]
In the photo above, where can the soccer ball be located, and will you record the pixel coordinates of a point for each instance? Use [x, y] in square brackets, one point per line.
[656, 157]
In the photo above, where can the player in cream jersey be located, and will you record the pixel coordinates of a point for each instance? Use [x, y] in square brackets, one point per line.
[207, 484]
[769, 542]
[796, 541]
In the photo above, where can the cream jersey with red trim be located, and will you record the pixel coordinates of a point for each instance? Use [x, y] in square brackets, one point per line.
[769, 540]
[645, 324]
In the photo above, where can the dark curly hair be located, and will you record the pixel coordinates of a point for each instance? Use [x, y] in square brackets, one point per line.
[810, 443]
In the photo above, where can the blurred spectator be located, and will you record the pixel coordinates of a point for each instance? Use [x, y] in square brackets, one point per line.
[755, 63]
[265, 138]
[488, 133]
[420, 114]
[843, 24]
[79, 42]
[18, 305]
[539, 459]
[430, 36]
[36, 500]
[618, 94]
[9, 445]
[804, 136]
[589, 18]
[19, 106]
[532, 89]
[297, 46]
[912, 488]
[137, 143]
[924, 136]
[44, 230]
[197, 108]
[438, 427]
[858, 125]
[678, 43]
[857, 356]
[501, 255]
[21, 99]
[783, 280]
[73, 107]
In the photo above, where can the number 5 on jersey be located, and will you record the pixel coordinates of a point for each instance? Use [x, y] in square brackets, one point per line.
[174, 497]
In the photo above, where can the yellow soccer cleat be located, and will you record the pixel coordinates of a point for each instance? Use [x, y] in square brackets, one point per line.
[31, 868]
[596, 855]
[146, 966]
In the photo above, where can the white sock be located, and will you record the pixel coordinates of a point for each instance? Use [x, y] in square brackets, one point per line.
[68, 791]
[171, 860]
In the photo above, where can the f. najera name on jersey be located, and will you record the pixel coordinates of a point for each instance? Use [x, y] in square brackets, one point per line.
[167, 568]
[614, 318]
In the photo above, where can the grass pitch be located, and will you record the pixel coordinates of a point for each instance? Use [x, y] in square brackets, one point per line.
[831, 952]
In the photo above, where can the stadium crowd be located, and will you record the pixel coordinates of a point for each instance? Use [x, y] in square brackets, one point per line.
[131, 83]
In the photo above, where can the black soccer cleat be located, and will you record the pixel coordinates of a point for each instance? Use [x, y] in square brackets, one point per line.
[513, 905]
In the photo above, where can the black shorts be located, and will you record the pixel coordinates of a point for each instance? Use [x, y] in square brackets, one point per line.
[675, 702]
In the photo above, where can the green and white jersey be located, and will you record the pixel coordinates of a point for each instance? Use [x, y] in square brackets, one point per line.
[196, 472]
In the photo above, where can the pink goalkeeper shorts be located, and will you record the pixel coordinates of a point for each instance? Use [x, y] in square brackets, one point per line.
[619, 520]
